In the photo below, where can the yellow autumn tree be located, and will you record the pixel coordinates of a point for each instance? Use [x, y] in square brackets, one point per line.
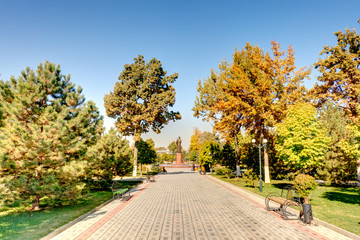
[251, 93]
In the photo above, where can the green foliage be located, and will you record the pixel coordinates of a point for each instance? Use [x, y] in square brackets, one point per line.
[340, 160]
[304, 184]
[193, 156]
[155, 168]
[109, 157]
[141, 98]
[301, 140]
[227, 156]
[340, 73]
[222, 170]
[172, 147]
[147, 153]
[250, 177]
[251, 92]
[166, 157]
[47, 130]
[209, 153]
[207, 136]
[336, 205]
[197, 141]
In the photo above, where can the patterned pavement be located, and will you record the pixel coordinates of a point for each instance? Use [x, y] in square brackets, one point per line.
[185, 205]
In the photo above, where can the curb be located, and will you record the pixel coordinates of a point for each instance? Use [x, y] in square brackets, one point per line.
[321, 222]
[338, 229]
[73, 222]
[78, 219]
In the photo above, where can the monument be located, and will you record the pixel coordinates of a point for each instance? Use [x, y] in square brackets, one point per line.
[178, 153]
[179, 163]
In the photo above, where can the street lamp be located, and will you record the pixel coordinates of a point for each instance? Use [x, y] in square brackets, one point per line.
[260, 146]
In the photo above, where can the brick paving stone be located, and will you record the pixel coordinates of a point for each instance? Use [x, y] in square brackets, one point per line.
[185, 205]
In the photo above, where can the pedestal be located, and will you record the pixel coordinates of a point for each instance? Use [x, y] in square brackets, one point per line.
[178, 158]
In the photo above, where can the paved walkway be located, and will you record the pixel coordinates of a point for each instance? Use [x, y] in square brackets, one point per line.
[186, 205]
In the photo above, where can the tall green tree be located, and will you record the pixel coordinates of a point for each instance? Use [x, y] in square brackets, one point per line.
[47, 130]
[227, 157]
[340, 73]
[209, 154]
[301, 140]
[340, 159]
[110, 157]
[172, 147]
[147, 152]
[141, 100]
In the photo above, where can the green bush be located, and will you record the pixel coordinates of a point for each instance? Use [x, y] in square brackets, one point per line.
[304, 184]
[155, 168]
[222, 171]
[250, 177]
[219, 171]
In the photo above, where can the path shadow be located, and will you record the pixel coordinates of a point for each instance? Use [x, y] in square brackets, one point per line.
[95, 214]
[281, 185]
[175, 173]
[342, 197]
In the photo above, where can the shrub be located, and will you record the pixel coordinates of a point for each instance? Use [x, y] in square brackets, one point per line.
[250, 177]
[223, 171]
[304, 184]
[219, 171]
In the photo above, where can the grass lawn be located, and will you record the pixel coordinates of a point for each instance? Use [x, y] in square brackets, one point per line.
[339, 206]
[35, 225]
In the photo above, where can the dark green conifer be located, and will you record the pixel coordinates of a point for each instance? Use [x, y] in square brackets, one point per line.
[47, 129]
[110, 157]
[140, 100]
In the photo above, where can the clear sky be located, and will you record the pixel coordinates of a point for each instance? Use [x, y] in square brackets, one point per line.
[93, 40]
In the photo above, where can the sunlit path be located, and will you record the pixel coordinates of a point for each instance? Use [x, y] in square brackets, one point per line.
[185, 205]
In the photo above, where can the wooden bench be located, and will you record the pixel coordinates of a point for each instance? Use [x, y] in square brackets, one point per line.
[117, 191]
[150, 178]
[280, 203]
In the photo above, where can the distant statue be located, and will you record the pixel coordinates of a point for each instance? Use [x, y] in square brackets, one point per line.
[178, 144]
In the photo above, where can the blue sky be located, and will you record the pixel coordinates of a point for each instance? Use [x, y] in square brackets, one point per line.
[92, 40]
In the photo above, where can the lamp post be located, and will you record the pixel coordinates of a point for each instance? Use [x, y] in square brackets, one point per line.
[260, 146]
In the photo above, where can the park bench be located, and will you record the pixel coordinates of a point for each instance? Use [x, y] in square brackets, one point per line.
[118, 191]
[282, 203]
[150, 178]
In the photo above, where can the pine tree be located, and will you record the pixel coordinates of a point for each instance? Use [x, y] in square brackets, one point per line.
[140, 100]
[147, 152]
[340, 73]
[110, 157]
[340, 160]
[228, 156]
[47, 130]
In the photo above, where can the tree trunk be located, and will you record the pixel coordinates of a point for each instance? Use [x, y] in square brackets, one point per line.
[35, 206]
[266, 166]
[266, 157]
[136, 145]
[237, 155]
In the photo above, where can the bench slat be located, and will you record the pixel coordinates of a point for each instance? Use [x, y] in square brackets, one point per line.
[281, 200]
[120, 191]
